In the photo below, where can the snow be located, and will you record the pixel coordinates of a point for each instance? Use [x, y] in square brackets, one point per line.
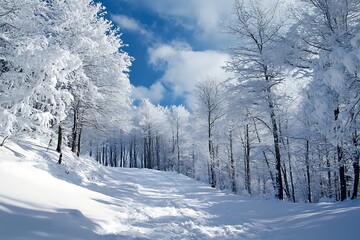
[83, 200]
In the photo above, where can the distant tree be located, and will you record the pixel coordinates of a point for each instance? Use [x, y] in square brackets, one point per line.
[155, 128]
[211, 105]
[179, 118]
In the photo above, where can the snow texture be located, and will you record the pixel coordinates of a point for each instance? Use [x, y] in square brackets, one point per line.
[83, 200]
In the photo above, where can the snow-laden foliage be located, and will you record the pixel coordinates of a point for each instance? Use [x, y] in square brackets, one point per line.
[61, 61]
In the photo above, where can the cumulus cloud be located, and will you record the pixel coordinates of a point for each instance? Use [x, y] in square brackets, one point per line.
[183, 67]
[131, 24]
[201, 16]
[154, 93]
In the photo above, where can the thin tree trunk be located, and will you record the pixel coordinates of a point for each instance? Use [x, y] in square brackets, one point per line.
[193, 164]
[178, 146]
[328, 165]
[211, 153]
[59, 143]
[79, 142]
[290, 171]
[121, 155]
[341, 173]
[74, 131]
[131, 158]
[232, 164]
[341, 163]
[356, 177]
[286, 189]
[247, 160]
[90, 152]
[103, 155]
[307, 163]
[355, 166]
[135, 154]
[157, 151]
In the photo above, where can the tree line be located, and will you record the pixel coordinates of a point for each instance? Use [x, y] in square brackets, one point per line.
[285, 125]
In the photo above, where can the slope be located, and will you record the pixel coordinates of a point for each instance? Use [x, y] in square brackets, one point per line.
[83, 200]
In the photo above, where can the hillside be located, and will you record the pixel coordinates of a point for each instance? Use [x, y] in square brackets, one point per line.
[83, 200]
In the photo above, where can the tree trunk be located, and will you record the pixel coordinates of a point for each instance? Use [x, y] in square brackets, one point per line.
[74, 132]
[144, 165]
[90, 152]
[193, 164]
[121, 155]
[79, 142]
[232, 164]
[178, 146]
[247, 160]
[279, 186]
[286, 189]
[290, 171]
[356, 177]
[341, 173]
[59, 143]
[356, 166]
[103, 155]
[328, 165]
[212, 165]
[307, 163]
[341, 163]
[157, 151]
[131, 158]
[60, 159]
[135, 154]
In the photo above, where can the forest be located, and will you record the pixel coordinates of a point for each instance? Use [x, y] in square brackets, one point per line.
[285, 126]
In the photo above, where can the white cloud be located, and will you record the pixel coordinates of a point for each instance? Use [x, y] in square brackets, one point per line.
[154, 93]
[184, 68]
[204, 17]
[130, 24]
[201, 16]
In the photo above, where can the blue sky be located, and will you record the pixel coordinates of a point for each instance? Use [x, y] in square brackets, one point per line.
[175, 43]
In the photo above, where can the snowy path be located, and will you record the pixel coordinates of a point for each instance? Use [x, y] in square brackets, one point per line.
[82, 200]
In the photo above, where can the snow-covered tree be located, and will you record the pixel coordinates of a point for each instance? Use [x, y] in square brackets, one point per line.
[326, 40]
[211, 105]
[65, 68]
[36, 71]
[155, 129]
[259, 29]
[179, 119]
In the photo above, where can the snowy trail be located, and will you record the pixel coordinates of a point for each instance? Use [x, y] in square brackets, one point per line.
[82, 200]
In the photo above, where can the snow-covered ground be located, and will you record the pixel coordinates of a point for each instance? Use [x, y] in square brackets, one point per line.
[83, 200]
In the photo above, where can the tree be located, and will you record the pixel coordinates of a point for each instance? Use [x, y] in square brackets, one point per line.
[34, 95]
[155, 128]
[211, 104]
[326, 39]
[179, 118]
[258, 30]
[102, 76]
